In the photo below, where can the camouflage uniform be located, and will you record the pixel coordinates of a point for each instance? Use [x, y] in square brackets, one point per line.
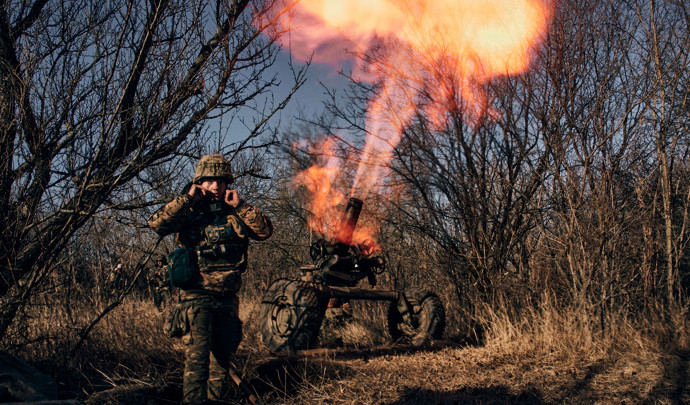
[160, 285]
[220, 236]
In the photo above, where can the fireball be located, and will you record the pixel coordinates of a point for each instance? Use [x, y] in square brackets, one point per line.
[423, 57]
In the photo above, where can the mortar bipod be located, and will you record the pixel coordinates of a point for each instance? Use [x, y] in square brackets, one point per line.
[402, 303]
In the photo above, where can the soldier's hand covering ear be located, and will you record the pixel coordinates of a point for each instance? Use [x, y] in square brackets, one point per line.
[197, 192]
[232, 198]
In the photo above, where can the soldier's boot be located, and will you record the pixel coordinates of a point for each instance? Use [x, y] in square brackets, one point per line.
[218, 387]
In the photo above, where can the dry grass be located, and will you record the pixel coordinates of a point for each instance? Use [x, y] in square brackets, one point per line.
[126, 348]
[361, 331]
[547, 355]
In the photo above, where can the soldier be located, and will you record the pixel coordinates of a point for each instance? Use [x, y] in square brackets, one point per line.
[160, 284]
[115, 280]
[214, 221]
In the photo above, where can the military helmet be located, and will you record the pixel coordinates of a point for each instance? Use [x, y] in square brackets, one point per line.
[213, 166]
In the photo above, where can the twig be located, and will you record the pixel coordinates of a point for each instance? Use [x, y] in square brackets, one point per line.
[243, 386]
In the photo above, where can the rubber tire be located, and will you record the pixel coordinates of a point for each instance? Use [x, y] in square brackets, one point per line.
[428, 313]
[290, 316]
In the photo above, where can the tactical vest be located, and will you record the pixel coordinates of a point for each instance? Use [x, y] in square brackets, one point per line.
[221, 242]
[224, 245]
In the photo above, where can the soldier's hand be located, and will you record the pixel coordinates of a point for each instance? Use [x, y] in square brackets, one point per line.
[232, 198]
[196, 192]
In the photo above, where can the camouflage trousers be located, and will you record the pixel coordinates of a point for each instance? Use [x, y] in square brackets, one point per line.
[214, 333]
[161, 297]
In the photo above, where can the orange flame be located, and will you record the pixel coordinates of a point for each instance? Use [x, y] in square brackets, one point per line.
[327, 203]
[319, 181]
[427, 57]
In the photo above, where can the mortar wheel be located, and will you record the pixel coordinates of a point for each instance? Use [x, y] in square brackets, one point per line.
[290, 316]
[427, 323]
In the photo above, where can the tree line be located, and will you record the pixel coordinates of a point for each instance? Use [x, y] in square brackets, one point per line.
[577, 189]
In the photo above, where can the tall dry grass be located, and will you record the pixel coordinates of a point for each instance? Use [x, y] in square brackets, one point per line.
[615, 352]
[547, 354]
[127, 346]
[127, 357]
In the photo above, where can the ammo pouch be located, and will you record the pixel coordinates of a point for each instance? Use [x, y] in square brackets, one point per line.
[183, 269]
[176, 324]
[225, 247]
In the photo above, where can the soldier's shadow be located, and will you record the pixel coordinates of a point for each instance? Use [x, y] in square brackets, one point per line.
[285, 375]
[483, 395]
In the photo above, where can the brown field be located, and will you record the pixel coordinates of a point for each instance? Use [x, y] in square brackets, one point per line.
[548, 357]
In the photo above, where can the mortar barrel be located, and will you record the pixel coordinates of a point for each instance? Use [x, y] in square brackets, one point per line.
[349, 221]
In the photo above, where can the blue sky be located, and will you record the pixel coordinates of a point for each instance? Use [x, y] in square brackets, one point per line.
[307, 102]
[310, 97]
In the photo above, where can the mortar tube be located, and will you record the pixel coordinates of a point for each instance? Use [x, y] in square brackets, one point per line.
[349, 220]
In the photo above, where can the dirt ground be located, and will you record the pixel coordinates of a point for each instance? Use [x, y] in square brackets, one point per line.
[442, 374]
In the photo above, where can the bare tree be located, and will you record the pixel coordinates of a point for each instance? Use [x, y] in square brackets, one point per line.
[100, 100]
[606, 193]
[665, 29]
[578, 182]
